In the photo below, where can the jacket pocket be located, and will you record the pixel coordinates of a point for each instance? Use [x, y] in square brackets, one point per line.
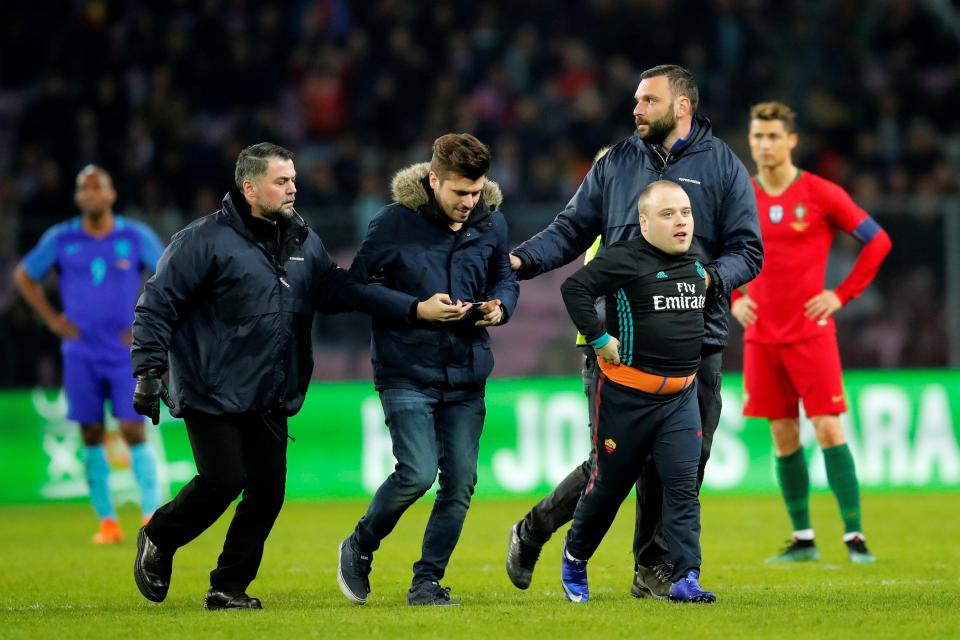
[409, 355]
[474, 371]
[482, 362]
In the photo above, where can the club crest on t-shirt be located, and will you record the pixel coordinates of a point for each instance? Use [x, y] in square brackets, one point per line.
[776, 213]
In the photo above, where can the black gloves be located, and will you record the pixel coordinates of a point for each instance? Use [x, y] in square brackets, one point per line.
[150, 390]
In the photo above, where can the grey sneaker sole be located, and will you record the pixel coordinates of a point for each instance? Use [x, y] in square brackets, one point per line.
[644, 592]
[432, 604]
[344, 589]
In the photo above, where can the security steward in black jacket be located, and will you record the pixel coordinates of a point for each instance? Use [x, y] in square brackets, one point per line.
[232, 303]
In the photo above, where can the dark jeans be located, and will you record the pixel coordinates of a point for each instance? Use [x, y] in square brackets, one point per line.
[629, 426]
[234, 454]
[650, 548]
[428, 434]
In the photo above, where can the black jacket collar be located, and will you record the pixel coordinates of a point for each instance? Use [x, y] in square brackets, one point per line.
[282, 239]
[259, 228]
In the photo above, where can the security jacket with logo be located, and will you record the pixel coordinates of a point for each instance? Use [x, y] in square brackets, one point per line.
[654, 305]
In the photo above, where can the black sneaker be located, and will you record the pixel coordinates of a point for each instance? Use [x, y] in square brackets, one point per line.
[217, 600]
[797, 551]
[430, 594]
[521, 559]
[152, 568]
[353, 571]
[652, 582]
[858, 552]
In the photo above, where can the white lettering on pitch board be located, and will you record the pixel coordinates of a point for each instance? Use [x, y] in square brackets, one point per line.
[896, 438]
[518, 470]
[935, 443]
[553, 437]
[885, 425]
[378, 460]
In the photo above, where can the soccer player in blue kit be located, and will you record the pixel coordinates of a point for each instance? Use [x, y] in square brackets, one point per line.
[98, 258]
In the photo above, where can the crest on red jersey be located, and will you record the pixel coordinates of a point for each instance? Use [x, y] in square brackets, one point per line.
[776, 213]
[799, 213]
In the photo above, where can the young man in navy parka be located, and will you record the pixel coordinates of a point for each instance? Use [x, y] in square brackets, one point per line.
[444, 232]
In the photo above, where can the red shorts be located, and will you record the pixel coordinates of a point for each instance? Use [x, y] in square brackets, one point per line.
[777, 377]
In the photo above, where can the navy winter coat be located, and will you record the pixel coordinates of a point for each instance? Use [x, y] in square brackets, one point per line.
[236, 317]
[410, 248]
[726, 226]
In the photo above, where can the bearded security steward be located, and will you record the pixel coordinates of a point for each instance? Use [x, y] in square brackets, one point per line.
[444, 229]
[228, 315]
[672, 141]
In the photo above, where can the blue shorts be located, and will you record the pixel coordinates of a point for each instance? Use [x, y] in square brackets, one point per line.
[89, 382]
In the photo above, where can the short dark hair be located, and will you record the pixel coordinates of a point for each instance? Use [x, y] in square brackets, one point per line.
[252, 161]
[775, 111]
[460, 153]
[681, 82]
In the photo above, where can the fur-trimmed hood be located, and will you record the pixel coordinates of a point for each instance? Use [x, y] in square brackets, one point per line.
[407, 188]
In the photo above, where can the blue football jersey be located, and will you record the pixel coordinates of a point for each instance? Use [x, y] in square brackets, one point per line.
[100, 280]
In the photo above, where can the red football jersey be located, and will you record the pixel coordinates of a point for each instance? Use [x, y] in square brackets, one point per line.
[797, 228]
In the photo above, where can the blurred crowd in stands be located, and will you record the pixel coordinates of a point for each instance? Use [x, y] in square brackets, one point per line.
[165, 94]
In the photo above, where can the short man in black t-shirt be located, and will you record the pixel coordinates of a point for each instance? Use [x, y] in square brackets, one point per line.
[648, 350]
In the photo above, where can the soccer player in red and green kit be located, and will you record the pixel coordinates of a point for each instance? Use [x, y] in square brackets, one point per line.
[790, 351]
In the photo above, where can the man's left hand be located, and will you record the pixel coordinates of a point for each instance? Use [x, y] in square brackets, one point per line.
[148, 393]
[492, 313]
[822, 306]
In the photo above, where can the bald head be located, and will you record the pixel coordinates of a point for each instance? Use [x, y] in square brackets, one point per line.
[666, 217]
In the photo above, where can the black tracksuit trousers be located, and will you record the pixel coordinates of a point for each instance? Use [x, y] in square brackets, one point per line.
[556, 508]
[628, 427]
[234, 454]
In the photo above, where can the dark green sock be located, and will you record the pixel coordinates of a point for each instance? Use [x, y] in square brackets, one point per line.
[795, 487]
[842, 476]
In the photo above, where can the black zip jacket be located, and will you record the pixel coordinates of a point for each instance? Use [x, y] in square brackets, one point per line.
[232, 304]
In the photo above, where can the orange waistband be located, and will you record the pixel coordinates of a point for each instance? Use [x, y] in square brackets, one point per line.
[643, 381]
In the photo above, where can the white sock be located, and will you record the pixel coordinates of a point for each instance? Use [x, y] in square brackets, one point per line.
[803, 534]
[847, 537]
[570, 557]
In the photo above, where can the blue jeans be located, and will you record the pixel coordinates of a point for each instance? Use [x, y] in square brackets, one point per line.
[428, 434]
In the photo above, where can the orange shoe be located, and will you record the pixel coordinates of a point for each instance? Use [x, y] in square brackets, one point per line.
[109, 532]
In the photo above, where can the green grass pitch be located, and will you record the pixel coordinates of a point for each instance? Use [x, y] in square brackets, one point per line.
[54, 582]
